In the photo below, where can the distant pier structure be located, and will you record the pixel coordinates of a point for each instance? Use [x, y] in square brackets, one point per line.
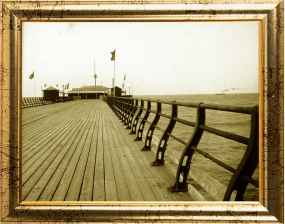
[92, 92]
[117, 91]
[51, 94]
[88, 92]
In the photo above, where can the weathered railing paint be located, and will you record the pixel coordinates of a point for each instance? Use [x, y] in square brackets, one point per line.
[159, 160]
[128, 112]
[132, 113]
[143, 121]
[241, 176]
[150, 131]
[186, 157]
[137, 117]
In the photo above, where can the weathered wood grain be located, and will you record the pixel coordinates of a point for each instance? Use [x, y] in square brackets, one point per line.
[80, 151]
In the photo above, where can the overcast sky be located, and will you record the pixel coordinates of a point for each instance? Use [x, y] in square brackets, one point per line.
[158, 58]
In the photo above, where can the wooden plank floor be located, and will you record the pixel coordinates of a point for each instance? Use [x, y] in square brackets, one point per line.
[80, 150]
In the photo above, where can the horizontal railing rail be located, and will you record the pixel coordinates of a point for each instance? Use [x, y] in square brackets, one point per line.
[130, 111]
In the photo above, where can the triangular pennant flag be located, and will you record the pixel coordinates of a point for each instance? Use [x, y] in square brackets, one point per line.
[32, 75]
[113, 57]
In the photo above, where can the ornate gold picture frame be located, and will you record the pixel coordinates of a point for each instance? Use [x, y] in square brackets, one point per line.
[269, 15]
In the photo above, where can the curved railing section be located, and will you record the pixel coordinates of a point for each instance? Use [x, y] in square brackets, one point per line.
[129, 110]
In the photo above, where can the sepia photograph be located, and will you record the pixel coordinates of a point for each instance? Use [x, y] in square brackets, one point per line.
[140, 111]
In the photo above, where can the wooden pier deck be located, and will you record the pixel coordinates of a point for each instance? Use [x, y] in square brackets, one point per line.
[80, 151]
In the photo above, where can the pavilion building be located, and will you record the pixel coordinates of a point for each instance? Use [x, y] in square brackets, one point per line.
[88, 92]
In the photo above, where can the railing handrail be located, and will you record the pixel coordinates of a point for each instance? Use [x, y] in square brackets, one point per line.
[220, 107]
[241, 174]
[225, 108]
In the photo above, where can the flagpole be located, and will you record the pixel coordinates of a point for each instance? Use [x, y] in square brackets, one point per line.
[114, 75]
[94, 72]
[35, 90]
[113, 58]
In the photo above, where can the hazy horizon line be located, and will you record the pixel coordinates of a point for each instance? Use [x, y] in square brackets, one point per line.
[218, 93]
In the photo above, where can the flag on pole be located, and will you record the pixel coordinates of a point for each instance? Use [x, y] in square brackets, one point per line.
[113, 53]
[45, 85]
[125, 77]
[67, 86]
[32, 75]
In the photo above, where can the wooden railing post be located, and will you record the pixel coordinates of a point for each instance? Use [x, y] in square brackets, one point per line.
[143, 121]
[183, 169]
[150, 131]
[159, 160]
[244, 172]
[137, 117]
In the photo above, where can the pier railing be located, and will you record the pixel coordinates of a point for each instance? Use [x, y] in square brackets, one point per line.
[131, 113]
[39, 101]
[33, 102]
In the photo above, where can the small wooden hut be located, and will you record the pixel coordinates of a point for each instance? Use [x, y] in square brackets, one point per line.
[51, 94]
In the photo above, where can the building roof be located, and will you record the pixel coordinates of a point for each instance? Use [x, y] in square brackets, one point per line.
[89, 89]
[116, 87]
[50, 88]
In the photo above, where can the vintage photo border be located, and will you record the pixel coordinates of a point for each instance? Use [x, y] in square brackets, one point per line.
[269, 14]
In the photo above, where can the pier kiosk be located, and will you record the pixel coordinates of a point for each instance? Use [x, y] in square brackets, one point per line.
[51, 94]
[88, 92]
